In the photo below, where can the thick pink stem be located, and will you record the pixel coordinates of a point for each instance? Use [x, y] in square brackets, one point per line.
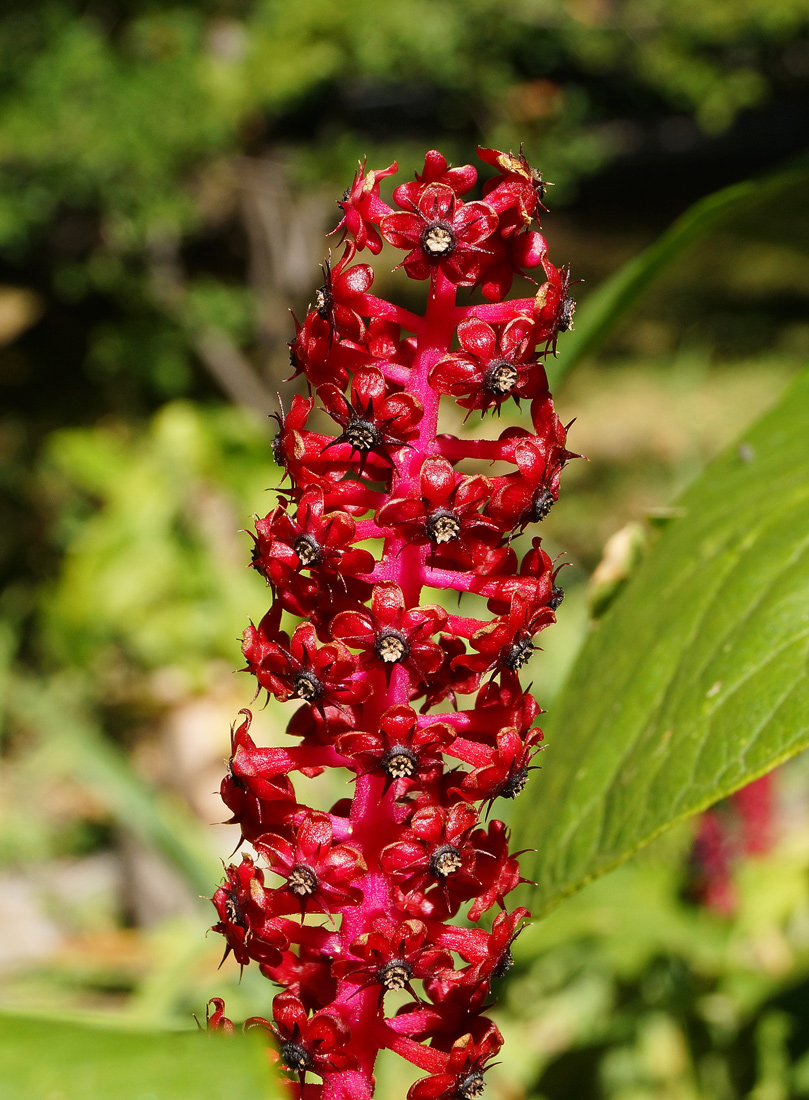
[373, 816]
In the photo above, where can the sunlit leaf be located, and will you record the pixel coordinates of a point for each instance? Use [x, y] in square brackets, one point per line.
[695, 681]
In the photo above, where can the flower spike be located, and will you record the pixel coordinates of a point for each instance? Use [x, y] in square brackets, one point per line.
[424, 709]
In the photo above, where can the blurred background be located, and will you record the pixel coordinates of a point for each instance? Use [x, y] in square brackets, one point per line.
[167, 174]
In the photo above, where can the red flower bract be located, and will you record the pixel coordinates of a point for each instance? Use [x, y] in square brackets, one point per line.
[416, 700]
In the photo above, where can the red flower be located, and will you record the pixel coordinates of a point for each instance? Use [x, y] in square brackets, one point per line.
[362, 208]
[392, 957]
[255, 815]
[463, 1078]
[443, 235]
[318, 872]
[400, 749]
[335, 300]
[245, 911]
[528, 495]
[505, 773]
[497, 870]
[433, 854]
[374, 421]
[313, 539]
[315, 1044]
[255, 768]
[317, 674]
[553, 306]
[392, 634]
[300, 452]
[506, 643]
[217, 1020]
[319, 355]
[519, 186]
[493, 958]
[445, 514]
[495, 364]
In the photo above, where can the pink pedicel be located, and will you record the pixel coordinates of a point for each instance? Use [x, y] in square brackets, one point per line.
[360, 896]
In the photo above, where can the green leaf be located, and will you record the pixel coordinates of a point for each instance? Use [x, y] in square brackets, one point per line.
[45, 1059]
[695, 681]
[606, 307]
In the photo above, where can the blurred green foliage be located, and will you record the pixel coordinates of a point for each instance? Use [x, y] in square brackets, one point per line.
[631, 990]
[148, 565]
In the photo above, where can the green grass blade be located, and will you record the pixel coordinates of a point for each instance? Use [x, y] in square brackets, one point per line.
[76, 747]
[599, 314]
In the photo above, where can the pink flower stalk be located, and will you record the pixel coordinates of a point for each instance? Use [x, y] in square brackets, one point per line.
[360, 897]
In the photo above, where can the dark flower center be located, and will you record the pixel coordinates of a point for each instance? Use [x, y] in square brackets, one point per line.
[518, 654]
[445, 861]
[324, 302]
[504, 964]
[557, 595]
[566, 314]
[307, 549]
[542, 504]
[399, 762]
[437, 240]
[395, 974]
[500, 378]
[540, 187]
[442, 526]
[234, 911]
[295, 1057]
[307, 686]
[515, 784]
[236, 780]
[362, 435]
[471, 1087]
[391, 647]
[302, 880]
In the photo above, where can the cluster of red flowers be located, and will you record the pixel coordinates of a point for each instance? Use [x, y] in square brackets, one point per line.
[362, 896]
[743, 826]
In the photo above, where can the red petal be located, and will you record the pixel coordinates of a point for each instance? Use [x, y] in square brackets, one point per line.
[437, 479]
[401, 230]
[437, 203]
[388, 603]
[288, 1011]
[314, 834]
[477, 338]
[475, 221]
[356, 280]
